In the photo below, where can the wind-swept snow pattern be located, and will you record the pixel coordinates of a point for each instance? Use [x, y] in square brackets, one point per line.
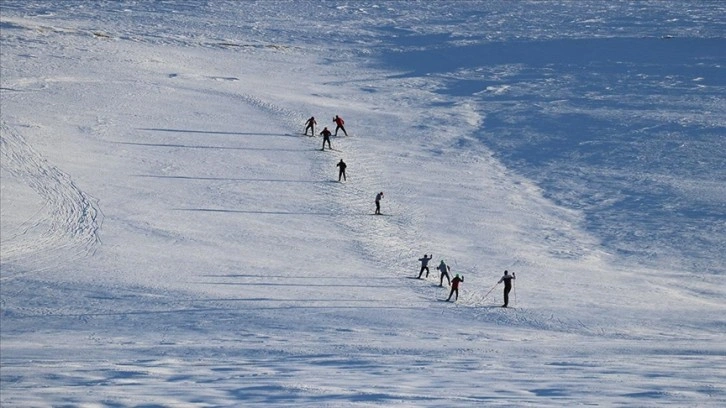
[171, 238]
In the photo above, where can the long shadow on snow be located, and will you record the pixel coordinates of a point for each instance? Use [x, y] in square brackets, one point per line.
[268, 276]
[306, 285]
[227, 179]
[216, 132]
[182, 146]
[213, 210]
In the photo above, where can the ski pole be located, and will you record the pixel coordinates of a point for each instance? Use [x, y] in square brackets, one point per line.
[514, 289]
[490, 291]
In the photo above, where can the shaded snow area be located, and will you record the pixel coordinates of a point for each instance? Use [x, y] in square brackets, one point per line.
[170, 238]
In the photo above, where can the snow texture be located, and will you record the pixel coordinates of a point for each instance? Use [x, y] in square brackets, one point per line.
[170, 238]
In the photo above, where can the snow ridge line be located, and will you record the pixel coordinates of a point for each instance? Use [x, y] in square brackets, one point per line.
[70, 220]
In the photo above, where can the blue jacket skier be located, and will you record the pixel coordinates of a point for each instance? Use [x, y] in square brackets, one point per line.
[444, 269]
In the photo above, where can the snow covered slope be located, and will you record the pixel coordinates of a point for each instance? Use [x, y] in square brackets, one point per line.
[170, 238]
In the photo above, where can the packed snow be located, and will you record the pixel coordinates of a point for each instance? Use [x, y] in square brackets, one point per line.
[171, 238]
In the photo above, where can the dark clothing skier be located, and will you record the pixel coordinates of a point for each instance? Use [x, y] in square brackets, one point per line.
[424, 265]
[444, 269]
[310, 124]
[379, 196]
[341, 170]
[507, 279]
[326, 138]
[339, 122]
[455, 287]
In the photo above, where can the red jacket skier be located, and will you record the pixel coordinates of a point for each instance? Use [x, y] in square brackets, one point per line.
[339, 122]
[455, 287]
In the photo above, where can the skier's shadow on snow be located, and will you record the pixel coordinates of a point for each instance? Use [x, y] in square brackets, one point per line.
[225, 179]
[216, 210]
[183, 146]
[306, 284]
[215, 132]
[263, 276]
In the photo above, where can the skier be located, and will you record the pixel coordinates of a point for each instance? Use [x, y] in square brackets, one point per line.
[455, 287]
[379, 196]
[342, 165]
[444, 269]
[425, 265]
[326, 138]
[507, 279]
[310, 124]
[339, 122]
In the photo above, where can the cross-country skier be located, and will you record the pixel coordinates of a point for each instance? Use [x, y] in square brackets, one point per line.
[455, 287]
[507, 279]
[310, 124]
[339, 122]
[425, 265]
[379, 196]
[444, 269]
[326, 138]
[341, 171]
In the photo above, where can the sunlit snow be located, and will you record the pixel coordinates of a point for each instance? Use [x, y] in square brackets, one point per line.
[170, 238]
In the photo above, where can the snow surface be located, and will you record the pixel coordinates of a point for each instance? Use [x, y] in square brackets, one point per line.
[170, 238]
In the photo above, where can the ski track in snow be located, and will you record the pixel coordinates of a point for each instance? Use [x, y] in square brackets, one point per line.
[66, 227]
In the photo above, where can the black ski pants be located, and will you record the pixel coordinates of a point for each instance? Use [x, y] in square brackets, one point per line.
[452, 292]
[507, 289]
[448, 278]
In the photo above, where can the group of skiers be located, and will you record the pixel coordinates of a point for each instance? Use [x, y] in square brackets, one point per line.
[443, 268]
[445, 271]
[325, 133]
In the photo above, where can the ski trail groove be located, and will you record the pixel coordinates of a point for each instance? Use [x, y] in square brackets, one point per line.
[66, 227]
